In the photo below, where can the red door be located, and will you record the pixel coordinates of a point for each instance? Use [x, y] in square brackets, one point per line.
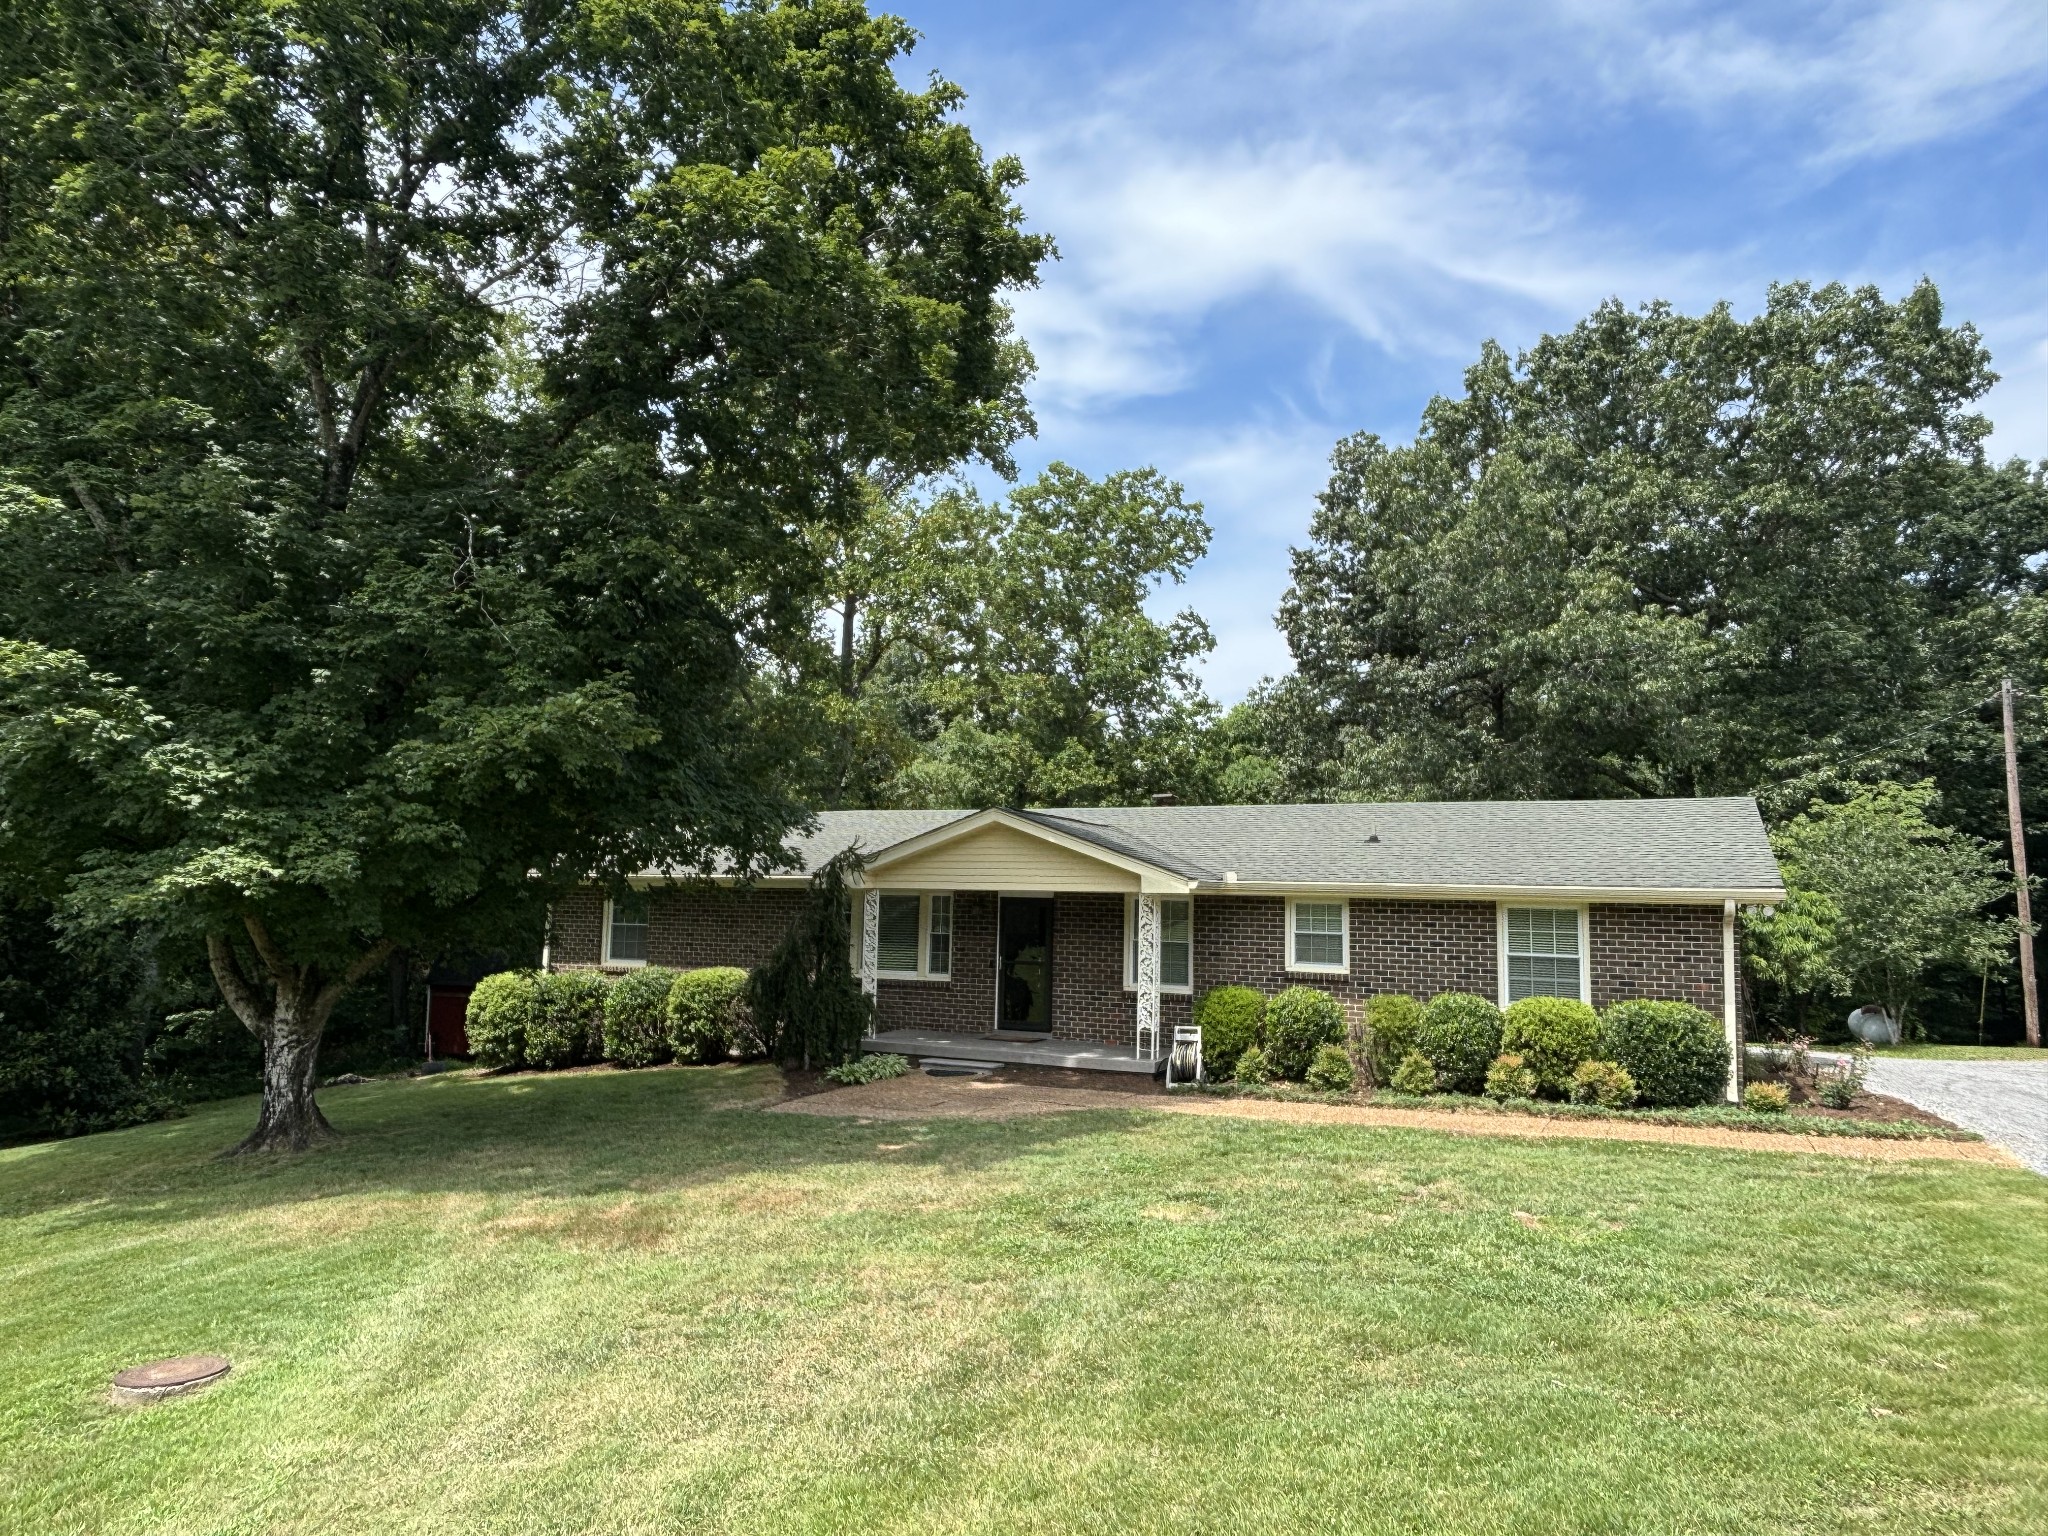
[447, 1010]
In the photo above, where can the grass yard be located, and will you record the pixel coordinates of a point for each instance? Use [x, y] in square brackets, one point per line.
[635, 1302]
[1959, 1052]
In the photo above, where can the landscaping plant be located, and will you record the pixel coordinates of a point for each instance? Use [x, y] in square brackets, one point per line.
[636, 1017]
[1510, 1077]
[1230, 1019]
[1767, 1098]
[1298, 1020]
[806, 1002]
[1414, 1076]
[568, 1027]
[708, 1019]
[1836, 1084]
[502, 1010]
[1330, 1071]
[868, 1069]
[1388, 1024]
[1553, 1035]
[1675, 1052]
[1253, 1067]
[1460, 1034]
[1604, 1083]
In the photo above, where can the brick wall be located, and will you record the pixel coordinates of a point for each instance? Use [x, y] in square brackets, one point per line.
[1661, 952]
[687, 926]
[965, 1003]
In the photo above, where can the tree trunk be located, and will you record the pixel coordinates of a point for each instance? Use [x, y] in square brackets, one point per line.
[290, 1119]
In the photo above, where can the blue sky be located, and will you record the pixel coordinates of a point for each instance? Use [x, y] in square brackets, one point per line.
[1283, 222]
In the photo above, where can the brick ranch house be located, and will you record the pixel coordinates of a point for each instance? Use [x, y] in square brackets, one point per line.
[1080, 937]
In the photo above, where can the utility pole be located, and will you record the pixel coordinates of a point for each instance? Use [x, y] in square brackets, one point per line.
[2031, 997]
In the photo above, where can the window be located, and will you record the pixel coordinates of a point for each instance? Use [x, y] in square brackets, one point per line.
[625, 931]
[1176, 945]
[939, 942]
[1316, 937]
[896, 946]
[1543, 953]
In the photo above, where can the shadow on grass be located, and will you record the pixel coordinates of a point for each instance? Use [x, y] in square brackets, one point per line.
[521, 1136]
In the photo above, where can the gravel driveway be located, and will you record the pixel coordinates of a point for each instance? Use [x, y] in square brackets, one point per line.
[2004, 1102]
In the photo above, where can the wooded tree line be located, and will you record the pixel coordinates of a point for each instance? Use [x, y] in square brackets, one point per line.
[453, 449]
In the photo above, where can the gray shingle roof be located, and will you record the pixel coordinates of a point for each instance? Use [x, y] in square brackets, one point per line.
[1711, 846]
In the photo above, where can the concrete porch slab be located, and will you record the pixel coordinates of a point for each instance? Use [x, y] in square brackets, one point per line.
[1082, 1055]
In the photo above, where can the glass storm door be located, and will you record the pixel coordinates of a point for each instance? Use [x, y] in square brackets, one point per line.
[1024, 964]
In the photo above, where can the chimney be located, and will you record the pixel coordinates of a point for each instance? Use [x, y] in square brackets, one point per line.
[1166, 799]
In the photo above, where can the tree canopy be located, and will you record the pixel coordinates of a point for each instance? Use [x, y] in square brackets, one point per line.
[408, 415]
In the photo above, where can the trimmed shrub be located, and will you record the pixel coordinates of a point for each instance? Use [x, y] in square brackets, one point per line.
[1253, 1067]
[1414, 1076]
[708, 1017]
[1836, 1086]
[1510, 1077]
[1230, 1019]
[1767, 1098]
[568, 1027]
[1553, 1035]
[1604, 1083]
[1388, 1029]
[636, 1017]
[1297, 1021]
[1330, 1071]
[502, 1009]
[868, 1069]
[1460, 1034]
[1674, 1051]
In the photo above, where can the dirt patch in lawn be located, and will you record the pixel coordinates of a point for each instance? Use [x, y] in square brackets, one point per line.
[1001, 1096]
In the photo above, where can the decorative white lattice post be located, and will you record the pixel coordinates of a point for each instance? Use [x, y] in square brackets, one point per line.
[1148, 974]
[870, 944]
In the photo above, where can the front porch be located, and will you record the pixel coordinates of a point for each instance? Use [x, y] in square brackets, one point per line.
[1079, 1055]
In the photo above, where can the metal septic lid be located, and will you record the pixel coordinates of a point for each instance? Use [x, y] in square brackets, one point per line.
[168, 1378]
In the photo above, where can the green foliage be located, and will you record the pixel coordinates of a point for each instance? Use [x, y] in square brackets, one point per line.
[1553, 1035]
[1253, 1067]
[1230, 1019]
[1415, 1075]
[1604, 1083]
[1390, 1022]
[1672, 554]
[636, 1017]
[568, 1028]
[1676, 1053]
[708, 1017]
[1460, 1034]
[806, 1002]
[1837, 1085]
[1879, 894]
[503, 1010]
[1298, 1020]
[408, 417]
[1510, 1077]
[1767, 1098]
[1330, 1071]
[868, 1069]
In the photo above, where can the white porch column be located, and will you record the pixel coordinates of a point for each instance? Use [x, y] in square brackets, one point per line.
[1730, 1022]
[1148, 974]
[870, 942]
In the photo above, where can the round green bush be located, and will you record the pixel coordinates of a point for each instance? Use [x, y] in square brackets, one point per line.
[1390, 1023]
[1553, 1035]
[1230, 1019]
[1331, 1071]
[568, 1027]
[1674, 1051]
[1297, 1021]
[1253, 1067]
[1767, 1098]
[708, 1017]
[1460, 1034]
[1413, 1076]
[502, 1009]
[636, 1017]
[1605, 1083]
[1510, 1077]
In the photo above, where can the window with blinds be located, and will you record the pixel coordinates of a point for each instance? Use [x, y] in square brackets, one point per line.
[1544, 952]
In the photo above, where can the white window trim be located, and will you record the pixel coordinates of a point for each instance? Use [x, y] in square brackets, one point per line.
[924, 972]
[1130, 920]
[1500, 924]
[608, 963]
[1343, 903]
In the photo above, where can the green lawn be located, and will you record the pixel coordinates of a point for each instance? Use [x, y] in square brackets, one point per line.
[1960, 1052]
[630, 1302]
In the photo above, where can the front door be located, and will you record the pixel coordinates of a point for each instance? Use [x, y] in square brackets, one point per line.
[1024, 964]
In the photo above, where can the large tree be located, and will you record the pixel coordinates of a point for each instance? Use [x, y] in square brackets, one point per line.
[408, 411]
[1673, 554]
